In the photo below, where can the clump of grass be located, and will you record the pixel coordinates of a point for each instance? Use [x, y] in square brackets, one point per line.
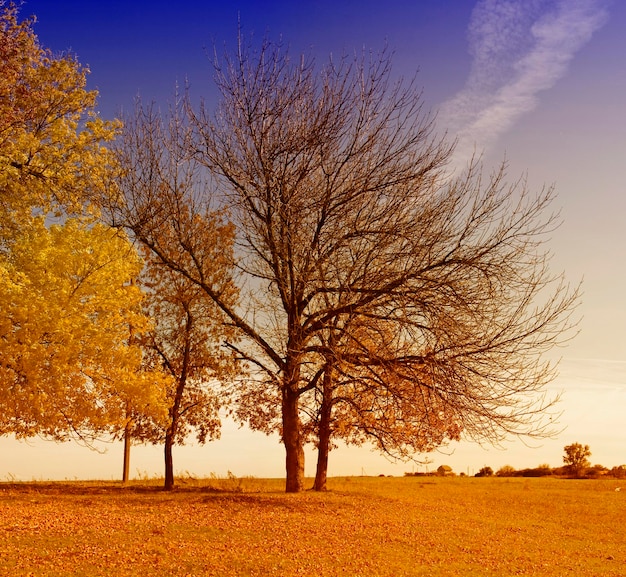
[233, 484]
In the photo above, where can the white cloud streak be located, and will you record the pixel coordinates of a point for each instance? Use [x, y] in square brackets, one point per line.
[519, 48]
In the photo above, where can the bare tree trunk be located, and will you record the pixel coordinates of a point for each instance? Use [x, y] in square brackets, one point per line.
[292, 439]
[324, 433]
[323, 448]
[128, 426]
[127, 440]
[172, 429]
[170, 433]
[169, 462]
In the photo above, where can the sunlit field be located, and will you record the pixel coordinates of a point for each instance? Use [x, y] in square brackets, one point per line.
[362, 526]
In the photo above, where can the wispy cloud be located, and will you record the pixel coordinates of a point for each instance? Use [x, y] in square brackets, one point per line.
[519, 48]
[595, 376]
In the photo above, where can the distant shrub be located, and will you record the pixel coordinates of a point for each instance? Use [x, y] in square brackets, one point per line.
[485, 472]
[544, 470]
[596, 471]
[540, 471]
[506, 471]
[618, 472]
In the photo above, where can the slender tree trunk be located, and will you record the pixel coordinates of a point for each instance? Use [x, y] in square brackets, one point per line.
[324, 432]
[292, 439]
[323, 448]
[169, 461]
[170, 433]
[127, 440]
[174, 412]
[128, 426]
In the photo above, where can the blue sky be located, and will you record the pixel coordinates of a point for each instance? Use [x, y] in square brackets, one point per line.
[540, 82]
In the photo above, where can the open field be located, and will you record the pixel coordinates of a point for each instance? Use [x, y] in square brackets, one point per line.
[361, 527]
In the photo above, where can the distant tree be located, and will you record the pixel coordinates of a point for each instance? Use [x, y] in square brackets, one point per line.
[619, 472]
[346, 218]
[485, 472]
[576, 458]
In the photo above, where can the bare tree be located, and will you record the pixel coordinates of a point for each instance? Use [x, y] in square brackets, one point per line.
[364, 266]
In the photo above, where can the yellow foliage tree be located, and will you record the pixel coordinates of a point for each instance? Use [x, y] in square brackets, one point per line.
[67, 304]
[66, 366]
[51, 140]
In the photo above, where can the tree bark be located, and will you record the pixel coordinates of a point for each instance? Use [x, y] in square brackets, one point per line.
[292, 439]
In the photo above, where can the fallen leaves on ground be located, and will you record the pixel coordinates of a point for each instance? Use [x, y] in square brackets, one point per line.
[362, 527]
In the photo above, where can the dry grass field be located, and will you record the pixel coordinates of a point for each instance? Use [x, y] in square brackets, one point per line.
[361, 527]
